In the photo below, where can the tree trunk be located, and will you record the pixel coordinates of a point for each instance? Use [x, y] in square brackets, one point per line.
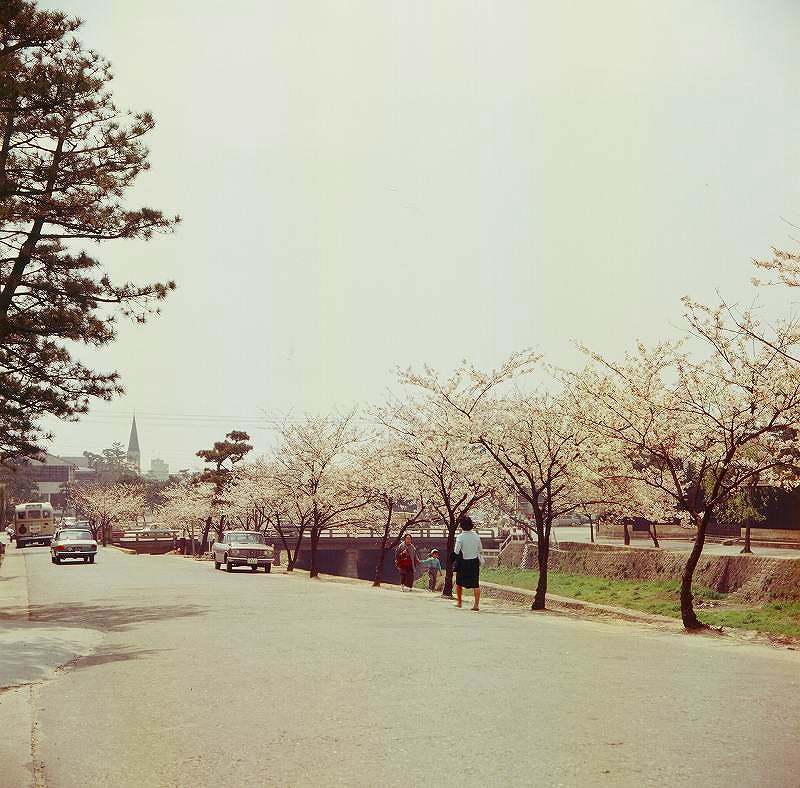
[651, 529]
[447, 591]
[690, 620]
[291, 560]
[746, 548]
[626, 534]
[542, 554]
[284, 543]
[591, 529]
[314, 541]
[381, 560]
[206, 529]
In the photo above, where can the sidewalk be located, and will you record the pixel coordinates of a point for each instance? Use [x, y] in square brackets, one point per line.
[31, 653]
[15, 703]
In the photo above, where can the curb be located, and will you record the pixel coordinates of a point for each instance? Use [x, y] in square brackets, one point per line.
[122, 549]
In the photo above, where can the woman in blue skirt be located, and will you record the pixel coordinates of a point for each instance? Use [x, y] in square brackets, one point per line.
[468, 557]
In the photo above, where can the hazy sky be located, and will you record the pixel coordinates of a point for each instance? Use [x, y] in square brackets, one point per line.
[373, 184]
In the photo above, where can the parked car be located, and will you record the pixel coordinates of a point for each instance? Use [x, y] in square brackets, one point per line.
[243, 548]
[73, 543]
[573, 518]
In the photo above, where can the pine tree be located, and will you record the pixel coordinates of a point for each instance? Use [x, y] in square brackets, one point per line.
[67, 157]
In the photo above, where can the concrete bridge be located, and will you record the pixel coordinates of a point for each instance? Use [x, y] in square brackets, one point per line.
[339, 552]
[357, 554]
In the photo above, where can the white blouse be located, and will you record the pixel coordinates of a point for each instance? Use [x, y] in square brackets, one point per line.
[468, 543]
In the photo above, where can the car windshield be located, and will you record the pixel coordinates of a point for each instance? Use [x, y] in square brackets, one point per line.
[68, 535]
[245, 538]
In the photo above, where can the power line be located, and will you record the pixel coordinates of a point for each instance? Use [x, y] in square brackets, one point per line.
[123, 416]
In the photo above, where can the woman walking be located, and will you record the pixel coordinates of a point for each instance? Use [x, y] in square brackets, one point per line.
[468, 556]
[405, 559]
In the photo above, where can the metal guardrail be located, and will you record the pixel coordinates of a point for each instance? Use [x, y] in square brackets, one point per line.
[328, 533]
[373, 533]
[144, 536]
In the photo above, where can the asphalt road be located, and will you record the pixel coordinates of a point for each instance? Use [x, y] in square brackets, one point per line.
[158, 671]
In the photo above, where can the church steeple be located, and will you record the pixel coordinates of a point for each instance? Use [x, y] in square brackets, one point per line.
[134, 456]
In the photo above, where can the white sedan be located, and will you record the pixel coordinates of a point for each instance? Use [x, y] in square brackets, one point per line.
[243, 548]
[73, 543]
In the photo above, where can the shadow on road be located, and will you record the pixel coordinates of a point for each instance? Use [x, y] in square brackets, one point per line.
[100, 617]
[39, 656]
[105, 657]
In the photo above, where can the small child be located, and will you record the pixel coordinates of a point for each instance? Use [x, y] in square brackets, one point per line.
[434, 567]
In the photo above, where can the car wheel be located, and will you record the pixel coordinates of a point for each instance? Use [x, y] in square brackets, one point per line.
[228, 567]
[20, 545]
[268, 568]
[52, 559]
[56, 559]
[86, 559]
[91, 559]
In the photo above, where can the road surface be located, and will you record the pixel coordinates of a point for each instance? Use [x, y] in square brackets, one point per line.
[158, 671]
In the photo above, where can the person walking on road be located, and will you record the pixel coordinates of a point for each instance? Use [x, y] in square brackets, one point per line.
[406, 561]
[468, 557]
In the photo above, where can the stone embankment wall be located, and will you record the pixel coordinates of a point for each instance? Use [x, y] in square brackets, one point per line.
[751, 578]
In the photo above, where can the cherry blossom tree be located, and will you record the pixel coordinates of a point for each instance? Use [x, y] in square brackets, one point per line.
[615, 490]
[453, 474]
[290, 514]
[783, 268]
[318, 474]
[106, 504]
[529, 447]
[186, 506]
[537, 446]
[248, 489]
[395, 502]
[696, 427]
[784, 265]
[261, 498]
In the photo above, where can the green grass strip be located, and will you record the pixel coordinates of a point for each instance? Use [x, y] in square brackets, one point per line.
[654, 596]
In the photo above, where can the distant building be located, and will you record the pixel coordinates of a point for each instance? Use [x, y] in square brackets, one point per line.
[51, 475]
[82, 472]
[134, 455]
[78, 462]
[158, 470]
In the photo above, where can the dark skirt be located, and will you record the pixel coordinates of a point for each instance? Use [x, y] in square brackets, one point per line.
[467, 573]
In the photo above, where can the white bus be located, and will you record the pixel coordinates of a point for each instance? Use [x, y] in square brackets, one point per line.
[33, 522]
